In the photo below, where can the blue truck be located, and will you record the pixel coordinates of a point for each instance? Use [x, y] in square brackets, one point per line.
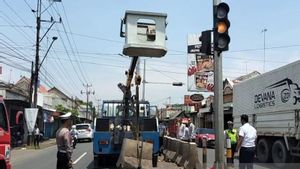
[113, 126]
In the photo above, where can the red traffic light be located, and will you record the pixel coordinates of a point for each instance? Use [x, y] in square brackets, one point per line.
[222, 10]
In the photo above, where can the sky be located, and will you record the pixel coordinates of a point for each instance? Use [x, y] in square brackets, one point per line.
[88, 45]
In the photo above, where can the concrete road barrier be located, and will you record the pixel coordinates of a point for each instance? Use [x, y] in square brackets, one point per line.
[173, 153]
[183, 152]
[168, 151]
[165, 144]
[129, 154]
[192, 160]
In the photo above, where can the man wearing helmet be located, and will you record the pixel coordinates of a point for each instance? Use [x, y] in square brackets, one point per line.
[231, 134]
[74, 133]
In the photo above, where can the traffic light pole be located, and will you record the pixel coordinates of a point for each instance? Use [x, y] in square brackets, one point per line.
[218, 103]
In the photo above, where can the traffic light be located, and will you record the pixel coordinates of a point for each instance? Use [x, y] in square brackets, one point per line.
[221, 26]
[205, 39]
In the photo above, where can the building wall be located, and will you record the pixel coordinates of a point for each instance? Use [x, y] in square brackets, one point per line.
[227, 98]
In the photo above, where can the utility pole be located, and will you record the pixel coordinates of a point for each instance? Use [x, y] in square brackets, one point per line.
[99, 108]
[37, 50]
[87, 92]
[218, 101]
[30, 86]
[144, 80]
[37, 57]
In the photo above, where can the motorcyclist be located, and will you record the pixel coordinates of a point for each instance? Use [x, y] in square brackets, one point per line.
[74, 133]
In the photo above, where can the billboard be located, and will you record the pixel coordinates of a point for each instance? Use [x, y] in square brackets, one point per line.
[200, 67]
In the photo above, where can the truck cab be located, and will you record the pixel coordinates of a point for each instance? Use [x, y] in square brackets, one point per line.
[109, 131]
[5, 148]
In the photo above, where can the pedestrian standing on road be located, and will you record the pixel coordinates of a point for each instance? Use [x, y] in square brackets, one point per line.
[36, 134]
[186, 134]
[64, 143]
[191, 128]
[246, 143]
[180, 130]
[162, 133]
[231, 134]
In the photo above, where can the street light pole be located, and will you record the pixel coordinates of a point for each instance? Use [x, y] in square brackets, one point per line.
[264, 32]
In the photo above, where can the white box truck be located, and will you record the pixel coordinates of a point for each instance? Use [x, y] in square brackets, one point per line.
[272, 102]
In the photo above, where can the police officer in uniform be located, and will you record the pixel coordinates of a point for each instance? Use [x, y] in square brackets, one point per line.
[231, 134]
[64, 143]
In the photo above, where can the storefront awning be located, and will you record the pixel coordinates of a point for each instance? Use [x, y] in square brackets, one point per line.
[203, 111]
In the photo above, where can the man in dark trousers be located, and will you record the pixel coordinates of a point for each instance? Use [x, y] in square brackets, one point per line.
[36, 133]
[64, 143]
[246, 143]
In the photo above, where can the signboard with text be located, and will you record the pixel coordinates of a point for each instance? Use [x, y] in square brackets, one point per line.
[200, 67]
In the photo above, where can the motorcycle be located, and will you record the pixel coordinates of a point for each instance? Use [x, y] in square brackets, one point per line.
[74, 141]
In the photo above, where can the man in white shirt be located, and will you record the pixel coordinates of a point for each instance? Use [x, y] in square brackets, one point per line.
[36, 133]
[186, 135]
[191, 128]
[246, 143]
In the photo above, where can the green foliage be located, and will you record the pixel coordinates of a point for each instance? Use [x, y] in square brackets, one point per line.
[75, 112]
[61, 108]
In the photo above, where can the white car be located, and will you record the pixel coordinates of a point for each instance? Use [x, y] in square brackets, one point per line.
[85, 131]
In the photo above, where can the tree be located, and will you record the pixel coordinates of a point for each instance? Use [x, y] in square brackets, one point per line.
[61, 108]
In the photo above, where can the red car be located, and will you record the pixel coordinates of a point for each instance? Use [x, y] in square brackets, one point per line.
[205, 133]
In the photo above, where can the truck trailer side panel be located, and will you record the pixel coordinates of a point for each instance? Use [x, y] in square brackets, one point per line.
[272, 102]
[271, 98]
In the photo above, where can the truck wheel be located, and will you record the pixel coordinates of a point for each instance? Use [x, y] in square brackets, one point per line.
[154, 161]
[96, 162]
[280, 155]
[2, 165]
[264, 151]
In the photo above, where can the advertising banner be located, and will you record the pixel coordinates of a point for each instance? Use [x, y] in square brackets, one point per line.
[200, 67]
[30, 116]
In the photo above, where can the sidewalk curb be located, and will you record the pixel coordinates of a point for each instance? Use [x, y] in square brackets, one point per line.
[43, 145]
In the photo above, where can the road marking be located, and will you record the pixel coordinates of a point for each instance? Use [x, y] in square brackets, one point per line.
[79, 158]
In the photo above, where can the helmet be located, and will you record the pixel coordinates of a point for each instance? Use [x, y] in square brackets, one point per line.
[229, 122]
[73, 127]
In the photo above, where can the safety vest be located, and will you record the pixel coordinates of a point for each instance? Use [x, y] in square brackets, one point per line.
[232, 135]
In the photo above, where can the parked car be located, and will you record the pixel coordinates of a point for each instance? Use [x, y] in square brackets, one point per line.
[85, 131]
[193, 136]
[205, 133]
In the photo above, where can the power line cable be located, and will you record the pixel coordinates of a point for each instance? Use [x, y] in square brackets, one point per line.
[11, 22]
[16, 13]
[61, 69]
[163, 74]
[32, 10]
[15, 50]
[81, 69]
[75, 70]
[62, 66]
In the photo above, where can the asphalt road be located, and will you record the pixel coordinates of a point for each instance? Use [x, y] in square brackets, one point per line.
[46, 158]
[83, 159]
[257, 165]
